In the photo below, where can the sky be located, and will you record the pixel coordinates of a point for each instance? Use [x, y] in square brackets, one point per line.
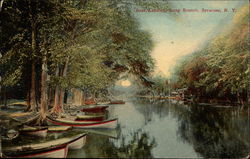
[176, 37]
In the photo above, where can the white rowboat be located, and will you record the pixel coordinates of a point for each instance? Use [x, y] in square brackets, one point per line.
[112, 123]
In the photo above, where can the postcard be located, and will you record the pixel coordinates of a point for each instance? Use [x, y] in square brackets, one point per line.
[124, 79]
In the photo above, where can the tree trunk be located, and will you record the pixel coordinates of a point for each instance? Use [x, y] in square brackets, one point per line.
[49, 97]
[77, 97]
[55, 108]
[33, 88]
[61, 97]
[43, 102]
[62, 91]
[33, 68]
[238, 98]
[59, 93]
[28, 98]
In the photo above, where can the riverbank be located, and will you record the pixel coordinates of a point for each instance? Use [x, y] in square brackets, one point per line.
[157, 97]
[219, 103]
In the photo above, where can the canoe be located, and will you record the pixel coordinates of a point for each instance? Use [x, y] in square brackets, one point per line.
[112, 123]
[59, 151]
[58, 129]
[35, 131]
[78, 143]
[89, 118]
[96, 109]
[117, 102]
[51, 149]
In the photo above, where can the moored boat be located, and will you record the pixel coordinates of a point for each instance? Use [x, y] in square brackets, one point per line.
[78, 142]
[35, 131]
[50, 149]
[117, 102]
[89, 118]
[58, 129]
[59, 151]
[96, 109]
[112, 123]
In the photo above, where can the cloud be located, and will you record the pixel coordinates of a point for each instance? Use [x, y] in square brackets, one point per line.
[166, 53]
[174, 39]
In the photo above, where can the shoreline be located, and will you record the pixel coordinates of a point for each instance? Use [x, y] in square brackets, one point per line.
[197, 102]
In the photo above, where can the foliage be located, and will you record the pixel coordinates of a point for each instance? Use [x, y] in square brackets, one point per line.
[71, 44]
[220, 69]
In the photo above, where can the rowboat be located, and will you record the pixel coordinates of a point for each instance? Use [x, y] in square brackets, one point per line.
[35, 131]
[75, 142]
[59, 151]
[117, 102]
[78, 142]
[51, 149]
[112, 123]
[89, 118]
[58, 129]
[96, 109]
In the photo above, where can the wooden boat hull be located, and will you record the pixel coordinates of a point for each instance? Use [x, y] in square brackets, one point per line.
[51, 149]
[90, 118]
[42, 132]
[98, 109]
[103, 124]
[117, 102]
[78, 143]
[58, 129]
[54, 152]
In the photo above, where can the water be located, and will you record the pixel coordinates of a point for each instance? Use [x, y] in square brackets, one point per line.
[164, 129]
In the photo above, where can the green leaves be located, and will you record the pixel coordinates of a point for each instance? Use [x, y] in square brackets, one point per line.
[91, 43]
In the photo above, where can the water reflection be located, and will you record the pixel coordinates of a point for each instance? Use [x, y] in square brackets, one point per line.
[105, 147]
[166, 129]
[215, 132]
[172, 130]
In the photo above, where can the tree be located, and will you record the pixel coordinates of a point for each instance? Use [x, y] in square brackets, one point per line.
[55, 46]
[221, 69]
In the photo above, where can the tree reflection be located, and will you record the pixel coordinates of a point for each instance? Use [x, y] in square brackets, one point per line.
[148, 108]
[215, 133]
[139, 145]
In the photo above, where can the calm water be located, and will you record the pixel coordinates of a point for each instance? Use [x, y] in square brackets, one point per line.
[171, 130]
